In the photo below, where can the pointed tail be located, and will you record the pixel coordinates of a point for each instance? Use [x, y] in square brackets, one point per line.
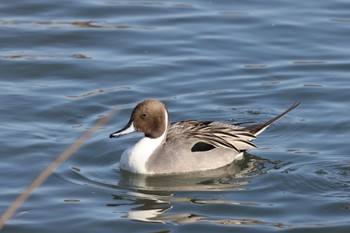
[257, 129]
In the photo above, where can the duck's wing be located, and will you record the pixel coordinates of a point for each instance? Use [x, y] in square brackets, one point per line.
[206, 135]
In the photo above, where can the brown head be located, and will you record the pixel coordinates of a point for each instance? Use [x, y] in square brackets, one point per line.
[150, 117]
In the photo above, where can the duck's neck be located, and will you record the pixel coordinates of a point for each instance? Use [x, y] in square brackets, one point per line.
[135, 158]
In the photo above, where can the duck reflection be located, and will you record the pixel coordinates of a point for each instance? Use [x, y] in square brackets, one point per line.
[152, 197]
[158, 199]
[218, 180]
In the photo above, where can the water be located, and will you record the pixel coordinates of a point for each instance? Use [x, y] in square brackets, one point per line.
[64, 64]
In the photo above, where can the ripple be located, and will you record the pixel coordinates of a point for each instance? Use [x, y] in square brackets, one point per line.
[306, 62]
[80, 24]
[312, 85]
[233, 13]
[98, 92]
[255, 66]
[297, 151]
[340, 20]
[90, 24]
[151, 3]
[78, 56]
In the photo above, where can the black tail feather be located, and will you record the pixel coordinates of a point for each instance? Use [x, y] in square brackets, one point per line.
[256, 129]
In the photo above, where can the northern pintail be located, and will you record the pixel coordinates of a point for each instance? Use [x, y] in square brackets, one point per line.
[186, 146]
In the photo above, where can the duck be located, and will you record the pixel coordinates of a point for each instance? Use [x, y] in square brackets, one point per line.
[184, 146]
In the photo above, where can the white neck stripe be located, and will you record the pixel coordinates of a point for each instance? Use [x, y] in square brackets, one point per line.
[135, 158]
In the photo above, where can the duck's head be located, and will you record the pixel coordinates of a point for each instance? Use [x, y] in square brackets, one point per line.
[150, 117]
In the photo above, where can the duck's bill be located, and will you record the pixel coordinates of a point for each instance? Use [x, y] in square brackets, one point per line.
[129, 128]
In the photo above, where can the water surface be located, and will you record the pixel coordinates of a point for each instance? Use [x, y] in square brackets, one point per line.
[66, 64]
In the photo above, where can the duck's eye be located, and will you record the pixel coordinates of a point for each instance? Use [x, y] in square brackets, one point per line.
[144, 115]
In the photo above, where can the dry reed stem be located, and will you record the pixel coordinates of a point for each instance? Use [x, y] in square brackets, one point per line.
[48, 171]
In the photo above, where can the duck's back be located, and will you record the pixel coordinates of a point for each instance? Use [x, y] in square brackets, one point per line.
[193, 146]
[211, 133]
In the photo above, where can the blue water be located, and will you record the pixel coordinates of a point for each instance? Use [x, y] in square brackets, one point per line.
[65, 64]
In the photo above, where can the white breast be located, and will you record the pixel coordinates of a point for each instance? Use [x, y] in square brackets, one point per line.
[135, 158]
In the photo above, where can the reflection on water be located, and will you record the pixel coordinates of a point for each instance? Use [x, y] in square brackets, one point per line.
[46, 57]
[212, 180]
[64, 24]
[90, 24]
[150, 198]
[153, 207]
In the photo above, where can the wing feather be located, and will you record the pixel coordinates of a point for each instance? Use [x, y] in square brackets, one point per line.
[216, 134]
